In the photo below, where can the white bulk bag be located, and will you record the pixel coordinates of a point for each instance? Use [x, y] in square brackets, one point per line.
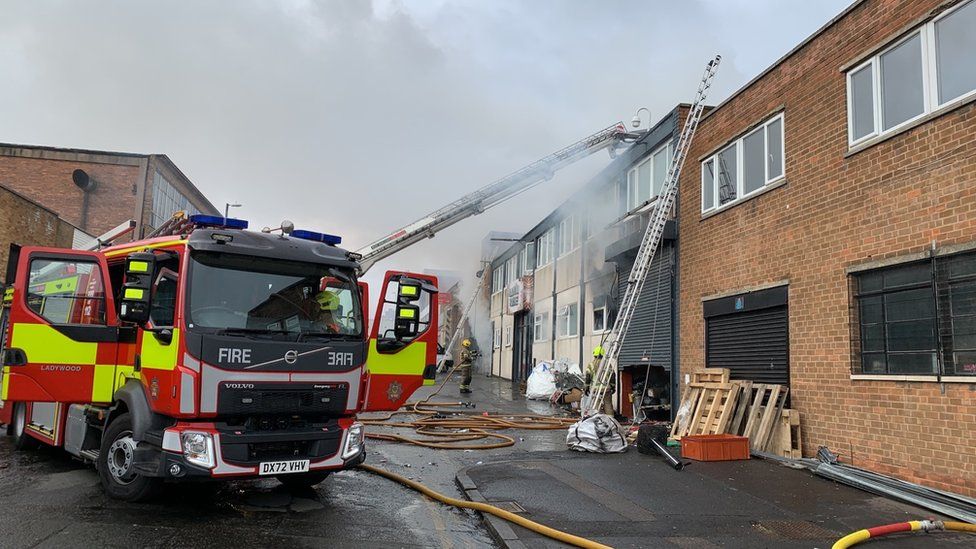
[600, 434]
[541, 383]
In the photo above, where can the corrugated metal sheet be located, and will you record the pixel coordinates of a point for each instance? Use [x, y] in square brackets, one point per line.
[753, 345]
[649, 336]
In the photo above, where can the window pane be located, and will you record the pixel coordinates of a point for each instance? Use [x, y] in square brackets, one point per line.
[774, 136]
[955, 42]
[708, 186]
[964, 333]
[873, 363]
[906, 276]
[962, 266]
[163, 306]
[912, 335]
[660, 170]
[910, 305]
[644, 182]
[753, 166]
[901, 83]
[870, 282]
[912, 363]
[871, 312]
[66, 292]
[872, 338]
[862, 102]
[631, 189]
[963, 298]
[728, 183]
[965, 363]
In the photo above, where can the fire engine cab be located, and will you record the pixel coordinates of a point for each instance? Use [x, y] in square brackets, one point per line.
[209, 352]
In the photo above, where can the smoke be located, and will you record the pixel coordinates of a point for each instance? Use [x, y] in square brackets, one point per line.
[356, 118]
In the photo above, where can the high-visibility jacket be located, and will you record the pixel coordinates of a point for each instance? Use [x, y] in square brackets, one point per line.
[591, 385]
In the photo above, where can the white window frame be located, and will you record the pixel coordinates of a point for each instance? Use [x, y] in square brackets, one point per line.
[498, 279]
[497, 338]
[527, 258]
[603, 312]
[511, 270]
[739, 144]
[540, 327]
[563, 322]
[632, 193]
[508, 336]
[545, 248]
[930, 82]
[570, 224]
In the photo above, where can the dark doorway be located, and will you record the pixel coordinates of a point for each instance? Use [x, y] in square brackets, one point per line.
[522, 347]
[749, 335]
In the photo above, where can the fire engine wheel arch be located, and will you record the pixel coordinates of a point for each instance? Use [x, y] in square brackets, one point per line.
[131, 399]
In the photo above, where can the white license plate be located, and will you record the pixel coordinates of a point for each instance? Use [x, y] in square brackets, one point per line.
[283, 467]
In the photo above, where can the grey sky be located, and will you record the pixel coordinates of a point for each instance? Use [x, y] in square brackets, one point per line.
[356, 118]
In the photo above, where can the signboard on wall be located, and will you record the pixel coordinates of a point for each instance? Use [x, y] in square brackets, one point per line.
[518, 295]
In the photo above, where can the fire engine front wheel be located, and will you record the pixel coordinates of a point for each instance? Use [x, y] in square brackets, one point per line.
[298, 481]
[115, 464]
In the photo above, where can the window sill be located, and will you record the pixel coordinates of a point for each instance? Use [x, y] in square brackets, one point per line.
[565, 337]
[945, 109]
[922, 378]
[767, 188]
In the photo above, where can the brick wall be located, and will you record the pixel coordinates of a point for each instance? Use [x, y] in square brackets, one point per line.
[27, 223]
[46, 178]
[835, 211]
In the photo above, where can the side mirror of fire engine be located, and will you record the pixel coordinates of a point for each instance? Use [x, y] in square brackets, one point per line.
[134, 303]
[407, 323]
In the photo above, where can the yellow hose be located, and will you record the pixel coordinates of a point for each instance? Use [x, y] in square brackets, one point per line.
[491, 509]
[854, 538]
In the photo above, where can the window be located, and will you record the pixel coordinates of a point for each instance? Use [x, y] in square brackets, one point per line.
[511, 270]
[540, 327]
[646, 179]
[599, 319]
[745, 166]
[66, 291]
[569, 234]
[508, 336]
[546, 248]
[907, 319]
[527, 258]
[928, 69]
[497, 338]
[163, 308]
[567, 321]
[498, 279]
[166, 201]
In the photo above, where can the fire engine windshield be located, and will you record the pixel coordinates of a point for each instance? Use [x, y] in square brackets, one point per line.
[244, 295]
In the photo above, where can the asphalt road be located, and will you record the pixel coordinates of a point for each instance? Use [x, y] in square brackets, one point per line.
[50, 500]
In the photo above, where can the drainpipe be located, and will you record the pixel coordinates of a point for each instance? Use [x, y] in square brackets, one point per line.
[582, 296]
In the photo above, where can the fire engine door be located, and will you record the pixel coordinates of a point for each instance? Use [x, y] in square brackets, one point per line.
[403, 340]
[62, 328]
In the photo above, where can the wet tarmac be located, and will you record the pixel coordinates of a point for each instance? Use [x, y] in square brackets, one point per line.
[50, 500]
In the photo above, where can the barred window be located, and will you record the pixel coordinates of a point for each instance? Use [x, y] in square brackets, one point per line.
[915, 319]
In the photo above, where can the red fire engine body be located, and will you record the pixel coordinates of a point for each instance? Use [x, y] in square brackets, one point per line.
[218, 352]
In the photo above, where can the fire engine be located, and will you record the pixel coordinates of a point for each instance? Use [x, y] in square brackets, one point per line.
[211, 351]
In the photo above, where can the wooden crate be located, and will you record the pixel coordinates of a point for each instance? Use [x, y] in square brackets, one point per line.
[706, 409]
[710, 375]
[786, 440]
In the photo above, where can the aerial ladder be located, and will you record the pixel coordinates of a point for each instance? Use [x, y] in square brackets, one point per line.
[607, 368]
[493, 194]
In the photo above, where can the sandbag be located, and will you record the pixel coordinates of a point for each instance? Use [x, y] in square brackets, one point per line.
[600, 434]
[541, 383]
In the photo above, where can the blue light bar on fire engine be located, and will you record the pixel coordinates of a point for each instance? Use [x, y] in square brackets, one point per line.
[218, 222]
[330, 239]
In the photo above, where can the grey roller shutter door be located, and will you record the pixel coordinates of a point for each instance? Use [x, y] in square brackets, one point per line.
[648, 338]
[753, 345]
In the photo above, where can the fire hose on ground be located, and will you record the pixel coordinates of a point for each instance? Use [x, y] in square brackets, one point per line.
[854, 538]
[490, 509]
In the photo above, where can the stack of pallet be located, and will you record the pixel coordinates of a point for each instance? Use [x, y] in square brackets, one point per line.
[712, 404]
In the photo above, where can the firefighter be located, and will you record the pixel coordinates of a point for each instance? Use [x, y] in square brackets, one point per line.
[592, 385]
[328, 303]
[468, 354]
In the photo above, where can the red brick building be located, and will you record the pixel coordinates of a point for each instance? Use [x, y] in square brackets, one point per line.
[97, 190]
[828, 238]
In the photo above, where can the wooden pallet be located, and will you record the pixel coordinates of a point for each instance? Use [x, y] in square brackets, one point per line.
[786, 440]
[767, 404]
[706, 409]
[710, 375]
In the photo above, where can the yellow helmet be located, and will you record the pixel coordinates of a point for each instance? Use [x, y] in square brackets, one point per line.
[328, 301]
[466, 343]
[598, 351]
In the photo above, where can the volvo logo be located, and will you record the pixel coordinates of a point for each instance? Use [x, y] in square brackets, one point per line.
[291, 357]
[238, 385]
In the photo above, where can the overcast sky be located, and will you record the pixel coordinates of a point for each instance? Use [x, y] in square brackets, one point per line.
[356, 118]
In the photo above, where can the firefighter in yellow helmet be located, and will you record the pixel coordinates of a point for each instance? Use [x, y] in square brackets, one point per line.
[593, 385]
[468, 354]
[328, 305]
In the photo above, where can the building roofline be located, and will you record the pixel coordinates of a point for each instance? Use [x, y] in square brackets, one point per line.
[172, 165]
[37, 204]
[72, 150]
[796, 49]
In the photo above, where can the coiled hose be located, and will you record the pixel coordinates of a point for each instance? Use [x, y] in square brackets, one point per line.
[854, 538]
[491, 509]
